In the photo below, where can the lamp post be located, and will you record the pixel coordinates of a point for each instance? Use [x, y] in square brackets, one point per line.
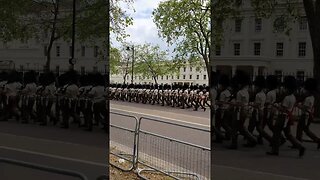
[132, 66]
[72, 60]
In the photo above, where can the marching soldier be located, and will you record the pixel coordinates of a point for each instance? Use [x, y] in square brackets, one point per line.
[99, 103]
[28, 94]
[284, 120]
[307, 107]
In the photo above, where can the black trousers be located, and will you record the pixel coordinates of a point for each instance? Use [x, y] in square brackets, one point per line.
[100, 113]
[286, 128]
[304, 126]
[238, 121]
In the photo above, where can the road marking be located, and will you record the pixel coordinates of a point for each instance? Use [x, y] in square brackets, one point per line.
[53, 156]
[161, 111]
[258, 172]
[161, 117]
[47, 140]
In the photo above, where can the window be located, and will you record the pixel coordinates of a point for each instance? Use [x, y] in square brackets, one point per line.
[83, 51]
[204, 77]
[161, 77]
[257, 49]
[303, 23]
[184, 69]
[190, 77]
[184, 76]
[45, 50]
[258, 24]
[178, 77]
[302, 49]
[279, 50]
[57, 51]
[167, 77]
[238, 25]
[279, 24]
[96, 51]
[218, 50]
[197, 76]
[83, 70]
[171, 77]
[190, 69]
[57, 69]
[236, 47]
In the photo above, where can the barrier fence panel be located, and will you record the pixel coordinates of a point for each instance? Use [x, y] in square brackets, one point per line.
[177, 159]
[123, 132]
[10, 167]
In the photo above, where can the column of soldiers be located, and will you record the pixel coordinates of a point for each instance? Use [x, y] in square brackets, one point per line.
[45, 99]
[264, 110]
[182, 96]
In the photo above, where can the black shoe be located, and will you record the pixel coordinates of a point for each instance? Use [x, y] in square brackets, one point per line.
[260, 141]
[43, 124]
[88, 129]
[302, 151]
[64, 127]
[82, 125]
[24, 122]
[272, 153]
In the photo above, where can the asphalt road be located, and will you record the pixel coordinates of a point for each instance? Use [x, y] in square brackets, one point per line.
[71, 150]
[241, 164]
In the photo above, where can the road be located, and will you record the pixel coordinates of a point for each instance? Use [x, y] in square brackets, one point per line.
[241, 164]
[71, 149]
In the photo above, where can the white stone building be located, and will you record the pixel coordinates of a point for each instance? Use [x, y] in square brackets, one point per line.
[32, 55]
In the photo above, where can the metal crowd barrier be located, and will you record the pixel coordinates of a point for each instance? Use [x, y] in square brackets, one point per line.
[126, 138]
[154, 153]
[48, 169]
[175, 158]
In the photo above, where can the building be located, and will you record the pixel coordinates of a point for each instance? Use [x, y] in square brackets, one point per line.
[31, 55]
[256, 45]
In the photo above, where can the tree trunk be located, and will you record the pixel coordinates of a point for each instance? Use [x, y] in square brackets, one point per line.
[52, 37]
[155, 79]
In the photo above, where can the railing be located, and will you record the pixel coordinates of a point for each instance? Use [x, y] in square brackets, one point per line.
[152, 152]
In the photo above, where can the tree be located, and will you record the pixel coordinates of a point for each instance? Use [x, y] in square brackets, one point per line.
[186, 23]
[151, 61]
[115, 60]
[12, 25]
[33, 18]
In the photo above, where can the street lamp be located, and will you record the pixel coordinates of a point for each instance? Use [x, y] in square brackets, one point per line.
[128, 49]
[72, 60]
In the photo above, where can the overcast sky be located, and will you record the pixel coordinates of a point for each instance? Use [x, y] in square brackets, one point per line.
[143, 29]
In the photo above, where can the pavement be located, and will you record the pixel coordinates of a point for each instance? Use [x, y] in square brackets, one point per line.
[241, 164]
[72, 150]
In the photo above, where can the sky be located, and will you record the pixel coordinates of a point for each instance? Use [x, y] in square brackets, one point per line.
[144, 29]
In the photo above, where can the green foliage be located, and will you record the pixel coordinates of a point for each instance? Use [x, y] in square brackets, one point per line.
[115, 60]
[151, 61]
[186, 23]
